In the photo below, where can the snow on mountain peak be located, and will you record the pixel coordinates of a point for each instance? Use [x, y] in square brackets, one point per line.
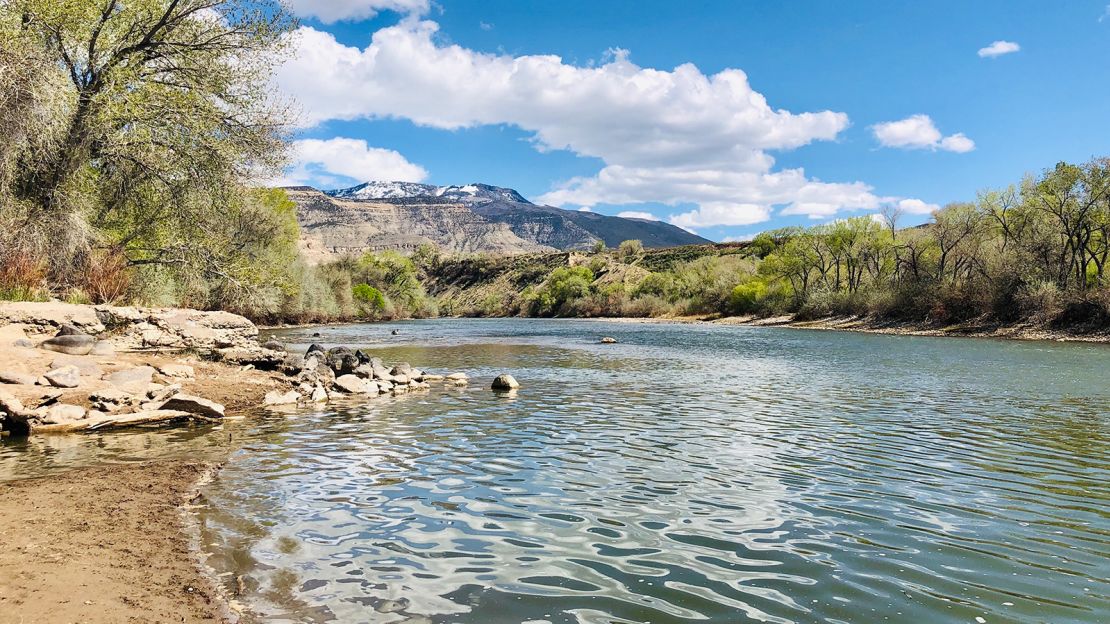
[467, 194]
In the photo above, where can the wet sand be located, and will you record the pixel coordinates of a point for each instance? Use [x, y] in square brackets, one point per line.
[103, 545]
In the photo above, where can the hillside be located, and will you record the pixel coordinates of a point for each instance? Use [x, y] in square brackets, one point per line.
[475, 218]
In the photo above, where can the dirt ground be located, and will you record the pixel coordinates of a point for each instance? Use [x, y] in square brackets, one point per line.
[102, 545]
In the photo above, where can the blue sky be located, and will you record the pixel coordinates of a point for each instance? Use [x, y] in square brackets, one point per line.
[562, 101]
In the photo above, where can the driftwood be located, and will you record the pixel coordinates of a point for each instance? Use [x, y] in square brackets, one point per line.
[120, 421]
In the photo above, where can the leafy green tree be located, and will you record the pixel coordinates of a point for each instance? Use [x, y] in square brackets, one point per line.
[630, 251]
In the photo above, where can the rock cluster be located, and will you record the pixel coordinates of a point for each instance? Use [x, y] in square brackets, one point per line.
[324, 374]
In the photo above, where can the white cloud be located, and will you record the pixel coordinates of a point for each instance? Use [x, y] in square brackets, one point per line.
[318, 163]
[485, 25]
[633, 214]
[743, 238]
[1105, 14]
[330, 11]
[919, 132]
[998, 48]
[916, 207]
[675, 137]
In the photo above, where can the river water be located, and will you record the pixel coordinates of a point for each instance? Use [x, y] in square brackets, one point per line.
[689, 473]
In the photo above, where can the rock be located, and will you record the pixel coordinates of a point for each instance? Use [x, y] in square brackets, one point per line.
[273, 345]
[364, 357]
[69, 330]
[381, 372]
[9, 377]
[158, 392]
[111, 400]
[11, 405]
[49, 398]
[394, 332]
[342, 360]
[62, 413]
[350, 384]
[292, 364]
[70, 344]
[457, 377]
[401, 379]
[103, 348]
[194, 405]
[365, 371]
[608, 340]
[64, 377]
[132, 380]
[277, 397]
[177, 371]
[319, 395]
[262, 359]
[505, 382]
[372, 387]
[401, 369]
[315, 334]
[23, 343]
[87, 367]
[315, 348]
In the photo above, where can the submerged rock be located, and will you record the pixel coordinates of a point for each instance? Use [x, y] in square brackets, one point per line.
[505, 382]
[608, 340]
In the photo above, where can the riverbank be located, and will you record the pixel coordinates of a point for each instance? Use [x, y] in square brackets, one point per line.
[104, 544]
[869, 325]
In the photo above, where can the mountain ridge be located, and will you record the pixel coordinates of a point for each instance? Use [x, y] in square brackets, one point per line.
[469, 218]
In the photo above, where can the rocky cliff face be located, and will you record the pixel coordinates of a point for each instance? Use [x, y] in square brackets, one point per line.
[332, 226]
[472, 218]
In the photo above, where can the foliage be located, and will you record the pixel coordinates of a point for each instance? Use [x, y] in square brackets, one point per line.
[370, 299]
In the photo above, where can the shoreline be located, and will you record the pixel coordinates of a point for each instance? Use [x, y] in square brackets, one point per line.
[123, 550]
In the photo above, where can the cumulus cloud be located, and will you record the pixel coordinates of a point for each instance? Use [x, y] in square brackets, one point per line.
[319, 162]
[635, 214]
[916, 207]
[331, 11]
[998, 48]
[919, 132]
[677, 137]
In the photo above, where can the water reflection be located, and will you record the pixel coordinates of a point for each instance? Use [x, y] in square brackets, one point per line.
[686, 474]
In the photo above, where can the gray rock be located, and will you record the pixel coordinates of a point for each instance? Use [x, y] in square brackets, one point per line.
[292, 364]
[177, 371]
[608, 340]
[194, 405]
[342, 360]
[158, 392]
[273, 345]
[401, 369]
[132, 380]
[23, 343]
[112, 400]
[9, 377]
[11, 405]
[351, 384]
[64, 377]
[103, 348]
[401, 379]
[69, 330]
[315, 348]
[70, 344]
[62, 413]
[505, 382]
[277, 397]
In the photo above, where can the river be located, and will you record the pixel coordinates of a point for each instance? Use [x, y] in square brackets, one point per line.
[689, 473]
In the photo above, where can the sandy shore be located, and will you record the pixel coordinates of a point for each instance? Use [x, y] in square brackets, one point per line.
[103, 545]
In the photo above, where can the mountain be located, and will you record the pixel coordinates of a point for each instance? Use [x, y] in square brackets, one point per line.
[471, 218]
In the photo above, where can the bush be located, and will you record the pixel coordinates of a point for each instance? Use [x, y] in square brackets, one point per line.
[370, 299]
[22, 277]
[746, 298]
[106, 277]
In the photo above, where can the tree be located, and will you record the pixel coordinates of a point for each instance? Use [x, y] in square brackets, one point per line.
[630, 251]
[161, 106]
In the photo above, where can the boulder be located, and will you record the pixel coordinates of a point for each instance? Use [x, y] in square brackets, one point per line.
[177, 371]
[315, 348]
[401, 379]
[103, 348]
[351, 384]
[277, 397]
[158, 392]
[505, 382]
[262, 359]
[22, 379]
[64, 377]
[194, 405]
[401, 369]
[69, 330]
[111, 400]
[608, 340]
[23, 343]
[11, 405]
[87, 367]
[76, 344]
[273, 345]
[342, 360]
[132, 380]
[319, 395]
[62, 413]
[292, 364]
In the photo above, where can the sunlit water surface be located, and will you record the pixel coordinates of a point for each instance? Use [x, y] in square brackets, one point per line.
[689, 473]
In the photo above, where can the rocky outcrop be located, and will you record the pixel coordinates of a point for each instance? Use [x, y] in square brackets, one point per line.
[129, 328]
